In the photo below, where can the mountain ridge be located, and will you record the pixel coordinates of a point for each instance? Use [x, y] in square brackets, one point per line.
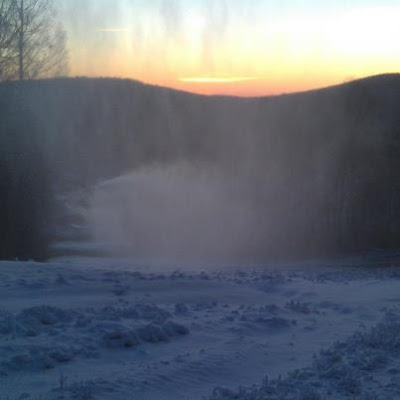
[319, 164]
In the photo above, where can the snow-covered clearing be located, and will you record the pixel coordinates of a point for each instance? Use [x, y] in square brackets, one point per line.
[111, 332]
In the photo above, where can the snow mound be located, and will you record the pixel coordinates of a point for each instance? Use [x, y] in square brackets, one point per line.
[346, 370]
[35, 357]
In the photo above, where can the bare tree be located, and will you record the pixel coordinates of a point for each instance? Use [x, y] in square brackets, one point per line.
[37, 44]
[8, 36]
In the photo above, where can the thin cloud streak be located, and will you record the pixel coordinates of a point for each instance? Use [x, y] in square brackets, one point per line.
[113, 30]
[204, 79]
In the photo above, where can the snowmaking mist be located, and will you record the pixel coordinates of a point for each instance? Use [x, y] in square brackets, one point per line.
[177, 214]
[156, 174]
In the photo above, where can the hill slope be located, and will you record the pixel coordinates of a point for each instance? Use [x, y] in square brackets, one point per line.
[317, 169]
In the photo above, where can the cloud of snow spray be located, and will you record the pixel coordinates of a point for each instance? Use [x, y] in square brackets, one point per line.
[174, 214]
[182, 212]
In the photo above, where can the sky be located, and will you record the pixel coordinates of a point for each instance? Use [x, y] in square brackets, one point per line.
[238, 47]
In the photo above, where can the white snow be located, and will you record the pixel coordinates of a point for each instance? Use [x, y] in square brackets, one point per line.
[113, 331]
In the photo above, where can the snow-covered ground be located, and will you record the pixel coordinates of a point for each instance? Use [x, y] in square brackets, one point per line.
[71, 330]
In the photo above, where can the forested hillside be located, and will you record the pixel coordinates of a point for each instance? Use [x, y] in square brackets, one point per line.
[321, 167]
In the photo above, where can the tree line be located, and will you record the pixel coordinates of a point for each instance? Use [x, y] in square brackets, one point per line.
[32, 40]
[320, 169]
[32, 45]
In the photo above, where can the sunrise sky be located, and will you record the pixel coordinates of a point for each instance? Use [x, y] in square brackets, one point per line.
[241, 47]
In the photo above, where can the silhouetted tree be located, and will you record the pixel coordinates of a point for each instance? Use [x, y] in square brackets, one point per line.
[34, 43]
[7, 38]
[41, 40]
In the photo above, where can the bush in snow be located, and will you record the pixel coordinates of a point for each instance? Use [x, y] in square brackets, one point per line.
[121, 339]
[343, 371]
[39, 357]
[296, 306]
[181, 309]
[31, 320]
[148, 312]
[7, 323]
[116, 335]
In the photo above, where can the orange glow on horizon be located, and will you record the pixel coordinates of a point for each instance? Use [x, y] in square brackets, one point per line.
[222, 80]
[193, 48]
[268, 78]
[253, 87]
